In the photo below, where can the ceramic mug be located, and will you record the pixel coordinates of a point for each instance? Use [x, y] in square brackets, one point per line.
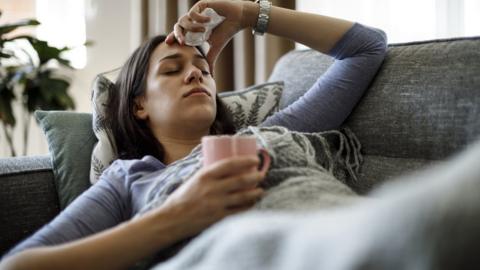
[215, 148]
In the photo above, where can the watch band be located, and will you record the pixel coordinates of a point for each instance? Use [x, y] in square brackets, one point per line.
[263, 17]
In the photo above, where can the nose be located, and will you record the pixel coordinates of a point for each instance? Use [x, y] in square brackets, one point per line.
[194, 75]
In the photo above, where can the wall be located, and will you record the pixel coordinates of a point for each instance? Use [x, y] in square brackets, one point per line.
[108, 25]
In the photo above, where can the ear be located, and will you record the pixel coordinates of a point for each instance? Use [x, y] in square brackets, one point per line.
[139, 108]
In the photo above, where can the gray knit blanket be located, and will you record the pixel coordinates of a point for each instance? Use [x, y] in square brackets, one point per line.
[429, 219]
[307, 171]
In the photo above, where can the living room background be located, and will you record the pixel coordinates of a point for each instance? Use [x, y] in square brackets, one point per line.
[115, 26]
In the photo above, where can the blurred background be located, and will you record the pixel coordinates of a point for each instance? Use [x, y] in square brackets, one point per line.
[116, 27]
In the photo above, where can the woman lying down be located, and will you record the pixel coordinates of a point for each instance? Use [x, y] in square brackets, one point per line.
[152, 206]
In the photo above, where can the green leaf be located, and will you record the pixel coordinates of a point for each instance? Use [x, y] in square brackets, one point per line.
[6, 40]
[6, 99]
[47, 53]
[6, 28]
[5, 55]
[48, 93]
[28, 37]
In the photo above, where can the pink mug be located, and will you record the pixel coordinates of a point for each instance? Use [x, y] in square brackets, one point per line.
[215, 148]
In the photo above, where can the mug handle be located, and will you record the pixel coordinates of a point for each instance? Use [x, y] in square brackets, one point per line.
[265, 160]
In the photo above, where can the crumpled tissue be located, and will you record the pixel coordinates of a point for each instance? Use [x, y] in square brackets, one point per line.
[198, 38]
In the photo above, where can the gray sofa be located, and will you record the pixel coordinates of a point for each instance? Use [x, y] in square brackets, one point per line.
[422, 107]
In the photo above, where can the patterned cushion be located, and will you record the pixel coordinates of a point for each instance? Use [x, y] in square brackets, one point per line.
[102, 154]
[250, 106]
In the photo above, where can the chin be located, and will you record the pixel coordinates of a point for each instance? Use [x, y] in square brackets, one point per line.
[206, 116]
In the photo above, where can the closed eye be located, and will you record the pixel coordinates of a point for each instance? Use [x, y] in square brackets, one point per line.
[170, 72]
[205, 72]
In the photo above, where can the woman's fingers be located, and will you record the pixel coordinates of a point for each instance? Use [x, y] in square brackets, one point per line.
[178, 32]
[240, 182]
[170, 39]
[242, 198]
[197, 17]
[236, 210]
[186, 24]
[190, 26]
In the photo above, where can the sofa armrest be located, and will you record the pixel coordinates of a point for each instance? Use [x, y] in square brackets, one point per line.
[28, 198]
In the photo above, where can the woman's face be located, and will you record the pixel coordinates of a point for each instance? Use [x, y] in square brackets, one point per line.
[180, 92]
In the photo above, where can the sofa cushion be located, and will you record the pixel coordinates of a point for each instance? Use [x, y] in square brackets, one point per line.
[299, 69]
[28, 198]
[423, 104]
[70, 141]
[377, 170]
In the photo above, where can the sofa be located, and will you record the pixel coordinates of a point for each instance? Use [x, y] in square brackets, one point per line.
[422, 107]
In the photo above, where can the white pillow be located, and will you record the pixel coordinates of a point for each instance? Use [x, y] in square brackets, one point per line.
[249, 107]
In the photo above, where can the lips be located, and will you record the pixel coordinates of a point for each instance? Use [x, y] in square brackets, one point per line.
[196, 90]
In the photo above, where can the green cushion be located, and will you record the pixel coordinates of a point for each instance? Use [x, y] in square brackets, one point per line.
[70, 142]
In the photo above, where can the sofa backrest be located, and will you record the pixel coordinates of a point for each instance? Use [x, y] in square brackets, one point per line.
[423, 104]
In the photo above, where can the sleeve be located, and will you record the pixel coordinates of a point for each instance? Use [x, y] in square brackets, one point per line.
[358, 56]
[102, 206]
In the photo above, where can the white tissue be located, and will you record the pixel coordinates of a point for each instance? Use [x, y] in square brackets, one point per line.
[198, 38]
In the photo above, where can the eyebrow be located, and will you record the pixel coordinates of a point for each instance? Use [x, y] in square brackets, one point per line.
[178, 55]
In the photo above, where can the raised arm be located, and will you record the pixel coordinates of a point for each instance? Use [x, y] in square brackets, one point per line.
[359, 52]
[326, 105]
[316, 31]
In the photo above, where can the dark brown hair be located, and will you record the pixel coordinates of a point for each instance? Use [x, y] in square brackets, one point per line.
[132, 137]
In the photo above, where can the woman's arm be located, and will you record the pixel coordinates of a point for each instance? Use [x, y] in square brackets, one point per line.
[316, 31]
[114, 248]
[326, 105]
[216, 191]
[72, 240]
[359, 52]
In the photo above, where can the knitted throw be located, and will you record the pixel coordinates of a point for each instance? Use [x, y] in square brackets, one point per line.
[308, 170]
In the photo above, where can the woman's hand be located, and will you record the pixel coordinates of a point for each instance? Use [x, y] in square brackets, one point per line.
[238, 15]
[221, 189]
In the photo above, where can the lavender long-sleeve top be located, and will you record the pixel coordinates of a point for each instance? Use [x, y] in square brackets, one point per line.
[120, 192]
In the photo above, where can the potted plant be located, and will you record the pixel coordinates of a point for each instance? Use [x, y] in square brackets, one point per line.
[29, 77]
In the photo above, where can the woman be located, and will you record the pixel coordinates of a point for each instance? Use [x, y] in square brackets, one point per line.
[157, 120]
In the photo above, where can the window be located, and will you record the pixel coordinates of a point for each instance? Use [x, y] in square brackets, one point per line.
[63, 24]
[407, 20]
[472, 18]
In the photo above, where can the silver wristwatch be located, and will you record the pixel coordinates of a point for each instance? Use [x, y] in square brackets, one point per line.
[263, 17]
